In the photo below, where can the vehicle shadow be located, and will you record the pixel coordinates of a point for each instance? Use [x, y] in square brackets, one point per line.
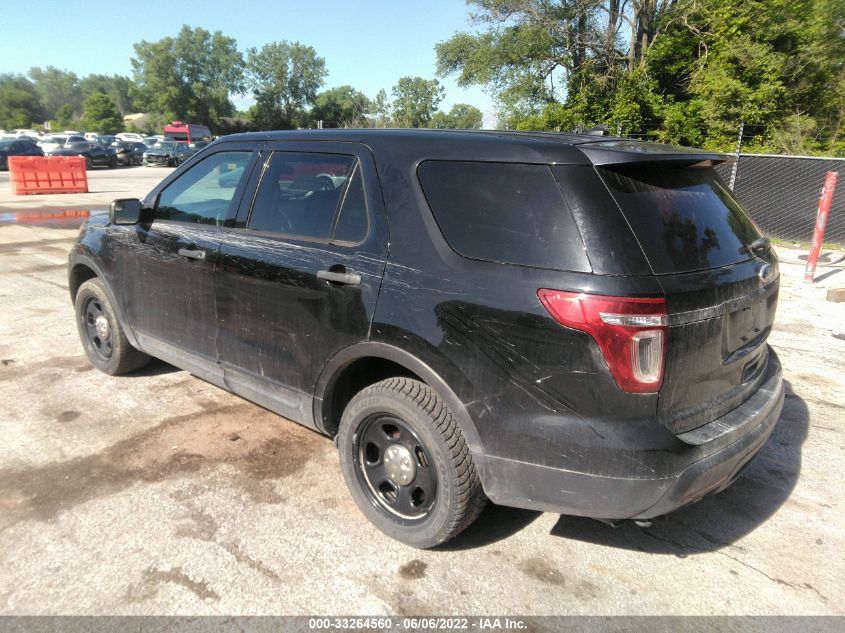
[494, 524]
[155, 367]
[721, 520]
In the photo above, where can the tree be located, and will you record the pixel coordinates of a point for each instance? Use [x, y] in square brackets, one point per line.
[190, 76]
[461, 117]
[19, 103]
[56, 88]
[64, 118]
[684, 71]
[415, 101]
[118, 88]
[382, 110]
[101, 115]
[285, 78]
[341, 107]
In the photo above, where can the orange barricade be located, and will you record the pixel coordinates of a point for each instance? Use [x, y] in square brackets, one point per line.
[56, 174]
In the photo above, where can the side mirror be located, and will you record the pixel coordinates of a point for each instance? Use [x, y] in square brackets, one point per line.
[125, 211]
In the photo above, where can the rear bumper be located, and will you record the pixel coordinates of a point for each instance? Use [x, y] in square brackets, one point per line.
[700, 468]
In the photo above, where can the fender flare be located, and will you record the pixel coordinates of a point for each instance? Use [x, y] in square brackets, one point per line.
[376, 349]
[84, 260]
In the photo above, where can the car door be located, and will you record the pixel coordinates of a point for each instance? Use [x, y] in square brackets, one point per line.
[299, 275]
[168, 263]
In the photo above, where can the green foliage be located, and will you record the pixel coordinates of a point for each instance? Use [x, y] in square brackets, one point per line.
[415, 101]
[341, 107]
[461, 117]
[20, 106]
[382, 115]
[118, 88]
[101, 115]
[679, 71]
[190, 76]
[64, 119]
[55, 89]
[285, 78]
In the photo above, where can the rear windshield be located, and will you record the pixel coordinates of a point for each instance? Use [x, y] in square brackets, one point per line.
[503, 212]
[684, 217]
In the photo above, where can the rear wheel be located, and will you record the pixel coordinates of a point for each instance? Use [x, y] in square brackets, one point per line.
[406, 463]
[101, 334]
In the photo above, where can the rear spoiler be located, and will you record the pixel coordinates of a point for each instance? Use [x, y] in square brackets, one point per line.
[622, 151]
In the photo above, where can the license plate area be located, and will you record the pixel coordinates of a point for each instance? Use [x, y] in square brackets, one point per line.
[745, 329]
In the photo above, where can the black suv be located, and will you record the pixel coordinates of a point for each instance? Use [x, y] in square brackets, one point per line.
[566, 323]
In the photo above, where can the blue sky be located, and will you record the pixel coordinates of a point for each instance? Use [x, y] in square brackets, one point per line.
[366, 43]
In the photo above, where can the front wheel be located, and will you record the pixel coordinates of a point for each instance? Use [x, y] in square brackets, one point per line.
[102, 337]
[406, 463]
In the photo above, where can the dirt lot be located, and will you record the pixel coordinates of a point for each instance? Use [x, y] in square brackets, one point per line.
[158, 493]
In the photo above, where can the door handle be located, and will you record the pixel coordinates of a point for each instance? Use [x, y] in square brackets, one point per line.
[349, 279]
[190, 254]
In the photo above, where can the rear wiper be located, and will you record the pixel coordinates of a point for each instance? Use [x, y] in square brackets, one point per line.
[758, 246]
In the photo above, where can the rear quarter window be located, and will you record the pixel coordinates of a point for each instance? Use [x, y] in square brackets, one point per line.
[510, 213]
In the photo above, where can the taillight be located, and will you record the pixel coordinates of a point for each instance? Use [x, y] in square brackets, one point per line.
[631, 333]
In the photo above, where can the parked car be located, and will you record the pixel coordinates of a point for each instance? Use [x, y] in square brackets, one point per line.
[565, 323]
[108, 140]
[94, 153]
[52, 142]
[130, 136]
[17, 147]
[149, 141]
[28, 133]
[167, 153]
[129, 153]
[197, 146]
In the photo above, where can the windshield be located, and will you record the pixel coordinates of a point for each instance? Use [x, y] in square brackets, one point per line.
[684, 217]
[166, 144]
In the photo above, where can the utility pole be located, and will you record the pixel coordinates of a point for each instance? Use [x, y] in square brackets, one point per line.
[736, 161]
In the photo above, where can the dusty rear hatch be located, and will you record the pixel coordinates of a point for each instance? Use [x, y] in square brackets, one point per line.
[720, 282]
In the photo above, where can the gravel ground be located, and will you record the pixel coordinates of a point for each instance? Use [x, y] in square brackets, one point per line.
[158, 493]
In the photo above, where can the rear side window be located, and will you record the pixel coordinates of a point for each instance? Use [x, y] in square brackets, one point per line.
[300, 195]
[503, 212]
[684, 217]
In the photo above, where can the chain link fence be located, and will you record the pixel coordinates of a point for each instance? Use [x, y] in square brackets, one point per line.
[781, 194]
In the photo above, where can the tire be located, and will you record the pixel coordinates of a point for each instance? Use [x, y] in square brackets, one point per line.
[89, 164]
[107, 348]
[408, 413]
[112, 163]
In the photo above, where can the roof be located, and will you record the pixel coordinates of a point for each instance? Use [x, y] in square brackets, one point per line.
[551, 146]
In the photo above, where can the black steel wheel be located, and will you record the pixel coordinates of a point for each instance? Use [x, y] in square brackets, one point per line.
[395, 468]
[97, 327]
[101, 334]
[406, 463]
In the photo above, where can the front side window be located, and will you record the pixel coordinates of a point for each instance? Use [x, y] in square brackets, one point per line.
[300, 194]
[204, 194]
